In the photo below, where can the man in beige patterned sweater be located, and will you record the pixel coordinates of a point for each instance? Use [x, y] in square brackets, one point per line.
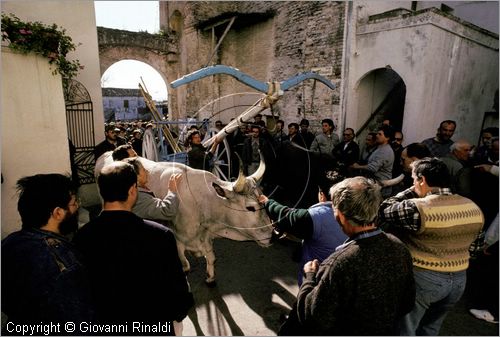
[438, 227]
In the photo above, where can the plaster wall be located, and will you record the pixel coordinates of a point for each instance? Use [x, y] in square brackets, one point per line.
[450, 72]
[78, 18]
[34, 135]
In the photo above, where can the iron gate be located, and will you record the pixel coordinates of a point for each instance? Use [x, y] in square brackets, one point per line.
[80, 123]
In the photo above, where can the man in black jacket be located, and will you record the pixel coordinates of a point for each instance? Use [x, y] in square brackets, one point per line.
[346, 152]
[111, 142]
[199, 157]
[135, 271]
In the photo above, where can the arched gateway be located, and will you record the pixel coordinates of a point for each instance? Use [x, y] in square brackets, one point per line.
[160, 51]
[80, 123]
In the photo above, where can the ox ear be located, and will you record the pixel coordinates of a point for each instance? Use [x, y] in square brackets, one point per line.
[220, 191]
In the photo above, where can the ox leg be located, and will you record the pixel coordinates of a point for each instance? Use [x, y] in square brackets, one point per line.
[210, 259]
[181, 249]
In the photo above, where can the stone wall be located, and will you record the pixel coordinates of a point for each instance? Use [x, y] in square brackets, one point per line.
[276, 40]
[163, 44]
[268, 41]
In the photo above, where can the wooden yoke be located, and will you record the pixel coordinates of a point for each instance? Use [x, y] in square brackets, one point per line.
[272, 93]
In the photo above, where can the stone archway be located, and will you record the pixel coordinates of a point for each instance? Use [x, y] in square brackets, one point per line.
[158, 51]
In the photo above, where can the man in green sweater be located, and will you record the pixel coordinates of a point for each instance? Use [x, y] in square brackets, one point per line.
[438, 227]
[316, 226]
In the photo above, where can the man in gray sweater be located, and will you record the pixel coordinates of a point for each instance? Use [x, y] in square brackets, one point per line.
[148, 206]
[381, 160]
[366, 286]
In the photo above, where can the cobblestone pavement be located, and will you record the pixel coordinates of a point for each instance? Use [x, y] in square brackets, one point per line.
[256, 285]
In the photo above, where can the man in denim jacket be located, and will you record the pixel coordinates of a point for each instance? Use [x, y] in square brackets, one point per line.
[43, 280]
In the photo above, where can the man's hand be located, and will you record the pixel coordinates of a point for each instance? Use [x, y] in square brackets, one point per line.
[216, 142]
[358, 166]
[174, 180]
[311, 266]
[263, 199]
[483, 167]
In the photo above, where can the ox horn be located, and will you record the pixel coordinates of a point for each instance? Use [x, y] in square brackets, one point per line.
[257, 175]
[239, 184]
[392, 182]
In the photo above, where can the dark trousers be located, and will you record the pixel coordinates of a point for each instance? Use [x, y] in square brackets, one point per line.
[482, 287]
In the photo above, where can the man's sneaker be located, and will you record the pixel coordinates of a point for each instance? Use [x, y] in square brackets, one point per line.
[485, 315]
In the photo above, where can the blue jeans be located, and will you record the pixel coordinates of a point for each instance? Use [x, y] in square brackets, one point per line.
[436, 294]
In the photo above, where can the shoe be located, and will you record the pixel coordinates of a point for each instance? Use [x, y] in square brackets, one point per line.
[485, 315]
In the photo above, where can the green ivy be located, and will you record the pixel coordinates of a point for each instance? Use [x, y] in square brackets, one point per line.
[50, 41]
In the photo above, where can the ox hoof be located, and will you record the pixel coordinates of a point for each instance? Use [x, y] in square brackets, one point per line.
[210, 284]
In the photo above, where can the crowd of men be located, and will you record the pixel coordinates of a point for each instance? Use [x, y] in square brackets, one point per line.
[376, 259]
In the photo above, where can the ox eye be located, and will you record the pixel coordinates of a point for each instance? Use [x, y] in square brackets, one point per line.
[251, 208]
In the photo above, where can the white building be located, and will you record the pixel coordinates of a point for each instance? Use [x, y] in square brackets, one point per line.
[124, 104]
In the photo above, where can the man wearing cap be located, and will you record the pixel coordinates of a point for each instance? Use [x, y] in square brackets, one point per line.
[136, 141]
[111, 142]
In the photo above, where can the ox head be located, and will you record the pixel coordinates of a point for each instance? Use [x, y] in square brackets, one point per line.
[245, 185]
[243, 217]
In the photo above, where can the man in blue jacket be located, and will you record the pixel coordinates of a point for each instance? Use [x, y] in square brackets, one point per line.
[43, 280]
[316, 225]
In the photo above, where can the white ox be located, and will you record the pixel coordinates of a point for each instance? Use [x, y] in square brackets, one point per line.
[208, 208]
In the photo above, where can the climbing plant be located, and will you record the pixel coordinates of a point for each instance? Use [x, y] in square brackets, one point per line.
[49, 41]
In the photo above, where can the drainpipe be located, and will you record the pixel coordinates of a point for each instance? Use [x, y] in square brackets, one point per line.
[345, 71]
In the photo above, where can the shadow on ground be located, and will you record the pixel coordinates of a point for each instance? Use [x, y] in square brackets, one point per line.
[256, 285]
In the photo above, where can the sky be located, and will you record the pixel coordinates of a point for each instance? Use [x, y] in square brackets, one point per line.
[133, 16]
